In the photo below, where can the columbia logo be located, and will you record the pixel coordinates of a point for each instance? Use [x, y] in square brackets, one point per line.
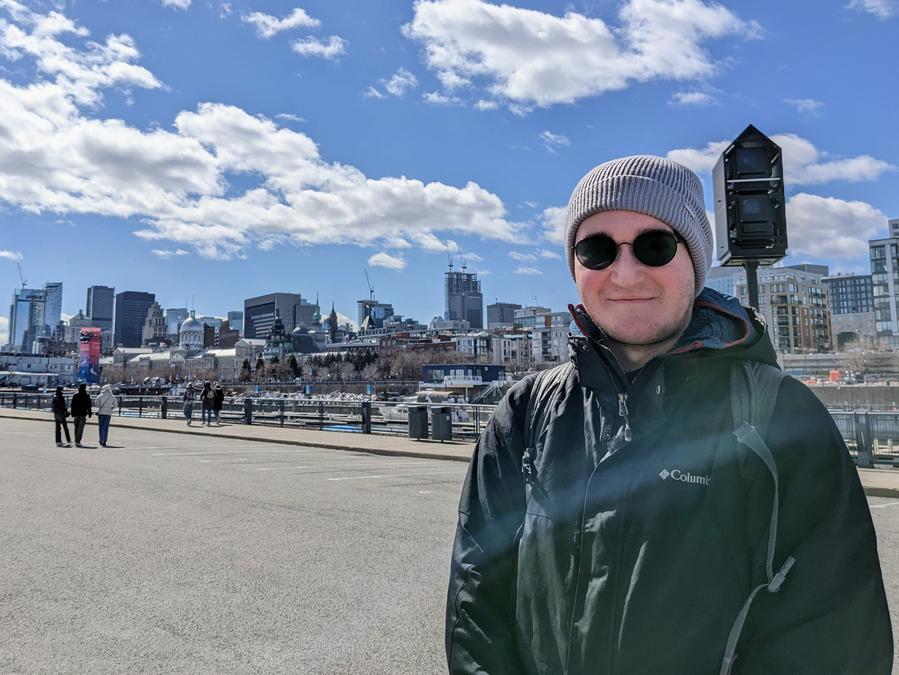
[683, 477]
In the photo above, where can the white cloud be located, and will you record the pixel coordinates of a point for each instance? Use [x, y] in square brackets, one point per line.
[398, 84]
[806, 106]
[4, 330]
[343, 319]
[550, 255]
[832, 229]
[483, 104]
[522, 257]
[225, 10]
[401, 82]
[268, 26]
[388, 261]
[691, 98]
[58, 157]
[554, 223]
[473, 257]
[528, 271]
[290, 117]
[169, 253]
[334, 47]
[77, 75]
[527, 57]
[15, 256]
[552, 141]
[882, 9]
[436, 98]
[177, 4]
[804, 164]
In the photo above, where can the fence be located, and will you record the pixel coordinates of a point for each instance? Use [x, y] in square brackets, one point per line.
[870, 436]
[377, 417]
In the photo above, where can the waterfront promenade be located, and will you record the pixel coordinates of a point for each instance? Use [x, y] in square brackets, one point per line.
[239, 549]
[881, 482]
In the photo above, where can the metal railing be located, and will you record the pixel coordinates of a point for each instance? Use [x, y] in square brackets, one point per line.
[377, 417]
[871, 436]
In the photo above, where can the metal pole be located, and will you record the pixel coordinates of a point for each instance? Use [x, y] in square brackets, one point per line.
[864, 442]
[752, 282]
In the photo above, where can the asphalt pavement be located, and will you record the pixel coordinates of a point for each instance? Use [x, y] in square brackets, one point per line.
[193, 553]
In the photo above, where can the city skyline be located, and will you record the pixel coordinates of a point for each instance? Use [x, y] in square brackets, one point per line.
[197, 147]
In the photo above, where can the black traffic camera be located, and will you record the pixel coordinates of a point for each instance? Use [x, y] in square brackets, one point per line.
[750, 222]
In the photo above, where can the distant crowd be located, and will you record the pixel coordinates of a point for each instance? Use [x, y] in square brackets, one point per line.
[82, 408]
[211, 399]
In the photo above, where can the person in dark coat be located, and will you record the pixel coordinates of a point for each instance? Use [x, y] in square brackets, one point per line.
[217, 400]
[81, 410]
[636, 525]
[60, 412]
[207, 398]
[188, 398]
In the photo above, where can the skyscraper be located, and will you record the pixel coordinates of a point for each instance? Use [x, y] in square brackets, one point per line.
[378, 311]
[26, 314]
[501, 314]
[174, 317]
[259, 313]
[100, 303]
[131, 309]
[464, 301]
[884, 255]
[235, 322]
[52, 305]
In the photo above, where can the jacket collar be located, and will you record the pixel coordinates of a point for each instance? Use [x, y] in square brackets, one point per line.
[720, 327]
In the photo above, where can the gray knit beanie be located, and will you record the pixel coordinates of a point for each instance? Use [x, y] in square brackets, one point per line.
[646, 184]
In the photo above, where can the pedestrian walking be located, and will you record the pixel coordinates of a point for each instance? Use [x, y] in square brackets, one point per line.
[207, 399]
[668, 501]
[217, 400]
[189, 397]
[106, 405]
[81, 410]
[60, 412]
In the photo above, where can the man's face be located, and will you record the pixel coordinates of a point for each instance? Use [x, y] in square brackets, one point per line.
[632, 302]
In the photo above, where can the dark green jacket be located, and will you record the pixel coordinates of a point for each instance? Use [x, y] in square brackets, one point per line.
[639, 561]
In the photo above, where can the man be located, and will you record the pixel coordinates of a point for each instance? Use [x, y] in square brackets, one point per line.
[81, 410]
[635, 532]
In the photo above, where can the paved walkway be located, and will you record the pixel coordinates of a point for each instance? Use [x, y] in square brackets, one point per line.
[877, 482]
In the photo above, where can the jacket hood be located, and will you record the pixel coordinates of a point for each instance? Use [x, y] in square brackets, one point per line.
[720, 326]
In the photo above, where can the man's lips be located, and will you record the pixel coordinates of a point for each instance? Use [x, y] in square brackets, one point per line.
[629, 299]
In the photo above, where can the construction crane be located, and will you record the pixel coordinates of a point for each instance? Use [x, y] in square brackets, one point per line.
[371, 289]
[462, 258]
[449, 256]
[21, 276]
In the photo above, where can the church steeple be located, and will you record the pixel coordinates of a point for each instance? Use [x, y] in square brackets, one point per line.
[332, 323]
[317, 316]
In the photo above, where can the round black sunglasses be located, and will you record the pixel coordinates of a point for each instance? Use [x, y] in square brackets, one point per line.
[654, 248]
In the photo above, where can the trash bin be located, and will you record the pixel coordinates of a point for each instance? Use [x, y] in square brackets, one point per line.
[442, 424]
[418, 421]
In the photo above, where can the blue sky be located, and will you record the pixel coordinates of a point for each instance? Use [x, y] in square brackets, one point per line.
[209, 151]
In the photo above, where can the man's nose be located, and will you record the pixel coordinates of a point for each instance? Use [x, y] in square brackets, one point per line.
[626, 270]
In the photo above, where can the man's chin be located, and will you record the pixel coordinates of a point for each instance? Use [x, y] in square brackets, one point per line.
[641, 338]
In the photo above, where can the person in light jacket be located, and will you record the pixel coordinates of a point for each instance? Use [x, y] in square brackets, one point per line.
[106, 405]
